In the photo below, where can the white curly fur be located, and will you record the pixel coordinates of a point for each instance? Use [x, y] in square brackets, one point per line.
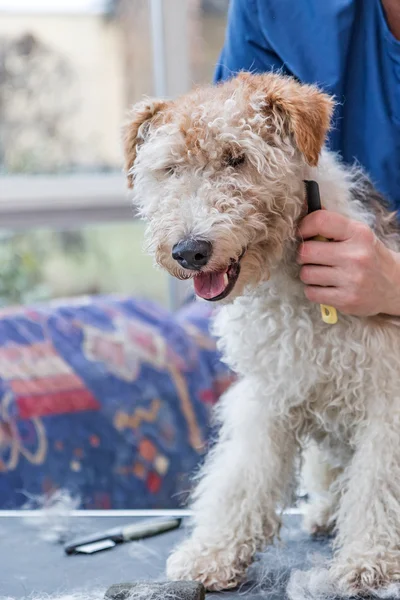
[300, 380]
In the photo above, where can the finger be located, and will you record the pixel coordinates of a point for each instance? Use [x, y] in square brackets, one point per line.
[326, 223]
[331, 296]
[321, 276]
[321, 253]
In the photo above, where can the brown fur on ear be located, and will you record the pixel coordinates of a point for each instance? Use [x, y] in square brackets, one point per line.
[307, 109]
[134, 132]
[310, 112]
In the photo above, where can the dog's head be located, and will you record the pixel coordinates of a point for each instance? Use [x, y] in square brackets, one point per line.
[218, 176]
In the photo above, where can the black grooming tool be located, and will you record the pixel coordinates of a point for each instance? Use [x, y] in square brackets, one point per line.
[328, 313]
[312, 194]
[105, 540]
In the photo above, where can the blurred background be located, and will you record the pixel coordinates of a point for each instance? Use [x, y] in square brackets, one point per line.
[107, 377]
[69, 69]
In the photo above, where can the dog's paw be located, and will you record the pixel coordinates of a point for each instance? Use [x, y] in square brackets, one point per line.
[216, 568]
[360, 576]
[318, 519]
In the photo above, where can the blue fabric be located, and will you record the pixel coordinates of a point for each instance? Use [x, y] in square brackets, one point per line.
[346, 47]
[108, 398]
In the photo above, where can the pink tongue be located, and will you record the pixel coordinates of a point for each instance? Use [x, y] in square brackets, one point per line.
[209, 285]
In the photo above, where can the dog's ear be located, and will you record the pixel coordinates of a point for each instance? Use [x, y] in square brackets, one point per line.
[305, 110]
[136, 129]
[309, 113]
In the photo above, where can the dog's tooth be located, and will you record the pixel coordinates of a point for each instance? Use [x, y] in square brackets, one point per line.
[226, 279]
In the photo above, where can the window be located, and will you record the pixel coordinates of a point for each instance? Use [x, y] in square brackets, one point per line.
[68, 72]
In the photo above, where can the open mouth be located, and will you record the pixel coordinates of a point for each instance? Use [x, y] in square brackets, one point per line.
[217, 285]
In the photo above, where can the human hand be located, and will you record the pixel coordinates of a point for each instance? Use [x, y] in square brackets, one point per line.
[355, 272]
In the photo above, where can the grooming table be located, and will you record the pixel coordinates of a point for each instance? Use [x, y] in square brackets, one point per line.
[33, 567]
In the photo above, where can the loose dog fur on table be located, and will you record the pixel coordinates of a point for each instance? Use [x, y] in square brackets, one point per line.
[218, 174]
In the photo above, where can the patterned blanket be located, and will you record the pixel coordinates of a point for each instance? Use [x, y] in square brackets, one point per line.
[108, 398]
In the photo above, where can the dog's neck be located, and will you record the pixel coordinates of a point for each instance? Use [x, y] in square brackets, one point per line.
[334, 181]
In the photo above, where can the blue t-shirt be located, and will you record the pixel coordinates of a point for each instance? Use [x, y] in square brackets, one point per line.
[346, 47]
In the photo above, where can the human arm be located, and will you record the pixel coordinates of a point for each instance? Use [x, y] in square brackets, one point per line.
[245, 48]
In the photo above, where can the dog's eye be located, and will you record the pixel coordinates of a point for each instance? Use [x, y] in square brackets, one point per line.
[235, 161]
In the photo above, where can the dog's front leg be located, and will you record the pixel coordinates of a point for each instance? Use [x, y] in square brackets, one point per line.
[245, 478]
[368, 540]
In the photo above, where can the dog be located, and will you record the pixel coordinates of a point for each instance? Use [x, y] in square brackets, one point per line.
[218, 175]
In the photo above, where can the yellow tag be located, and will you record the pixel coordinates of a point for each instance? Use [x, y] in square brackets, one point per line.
[329, 314]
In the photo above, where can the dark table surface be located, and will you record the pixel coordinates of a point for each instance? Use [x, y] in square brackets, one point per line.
[31, 565]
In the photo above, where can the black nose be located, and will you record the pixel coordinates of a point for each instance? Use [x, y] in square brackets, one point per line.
[192, 254]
